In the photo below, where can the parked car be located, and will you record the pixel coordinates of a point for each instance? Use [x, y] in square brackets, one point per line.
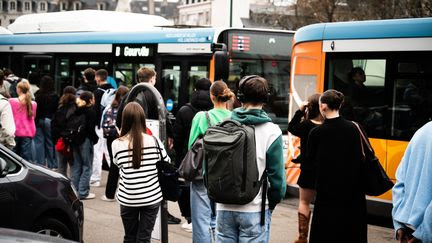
[18, 236]
[34, 198]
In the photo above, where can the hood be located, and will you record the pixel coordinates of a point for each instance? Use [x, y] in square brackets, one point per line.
[200, 100]
[250, 116]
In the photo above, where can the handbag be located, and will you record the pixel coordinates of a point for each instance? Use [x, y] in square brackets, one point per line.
[191, 166]
[377, 181]
[63, 148]
[168, 177]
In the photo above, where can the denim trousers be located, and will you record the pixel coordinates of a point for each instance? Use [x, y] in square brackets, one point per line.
[138, 222]
[82, 167]
[44, 146]
[203, 220]
[242, 227]
[23, 148]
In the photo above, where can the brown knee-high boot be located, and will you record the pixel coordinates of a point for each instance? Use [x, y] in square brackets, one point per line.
[303, 228]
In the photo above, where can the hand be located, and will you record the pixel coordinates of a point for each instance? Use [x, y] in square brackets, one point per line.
[170, 143]
[303, 106]
[401, 236]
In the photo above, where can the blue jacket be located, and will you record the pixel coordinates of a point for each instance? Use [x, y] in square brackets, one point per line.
[412, 193]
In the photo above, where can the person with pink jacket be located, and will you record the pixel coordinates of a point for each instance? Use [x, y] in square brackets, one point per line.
[24, 112]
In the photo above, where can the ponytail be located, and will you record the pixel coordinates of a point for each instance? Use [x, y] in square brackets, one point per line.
[24, 87]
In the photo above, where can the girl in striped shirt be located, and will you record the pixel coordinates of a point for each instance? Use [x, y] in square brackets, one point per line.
[139, 193]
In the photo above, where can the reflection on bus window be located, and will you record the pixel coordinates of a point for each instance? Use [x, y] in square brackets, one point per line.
[363, 83]
[195, 73]
[277, 74]
[171, 82]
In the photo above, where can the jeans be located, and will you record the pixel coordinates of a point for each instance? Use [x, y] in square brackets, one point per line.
[23, 148]
[44, 146]
[138, 222]
[82, 167]
[242, 227]
[113, 174]
[203, 221]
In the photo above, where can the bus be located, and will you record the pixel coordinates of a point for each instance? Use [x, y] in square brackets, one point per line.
[395, 98]
[180, 56]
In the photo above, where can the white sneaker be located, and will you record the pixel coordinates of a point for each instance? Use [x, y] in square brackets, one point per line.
[187, 227]
[95, 184]
[89, 196]
[104, 198]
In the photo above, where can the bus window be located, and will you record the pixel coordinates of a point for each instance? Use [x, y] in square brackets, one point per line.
[276, 72]
[62, 76]
[363, 83]
[170, 78]
[411, 97]
[196, 72]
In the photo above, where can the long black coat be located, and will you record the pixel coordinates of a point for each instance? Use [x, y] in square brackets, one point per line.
[340, 206]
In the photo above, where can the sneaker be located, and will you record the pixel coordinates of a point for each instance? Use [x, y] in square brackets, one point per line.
[95, 184]
[104, 198]
[187, 227]
[173, 220]
[89, 196]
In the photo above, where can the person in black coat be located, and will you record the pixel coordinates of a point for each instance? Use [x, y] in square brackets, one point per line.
[304, 120]
[334, 148]
[67, 107]
[200, 101]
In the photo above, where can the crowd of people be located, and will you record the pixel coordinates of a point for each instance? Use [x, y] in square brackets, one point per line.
[97, 122]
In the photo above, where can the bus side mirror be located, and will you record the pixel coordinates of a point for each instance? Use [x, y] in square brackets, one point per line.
[221, 62]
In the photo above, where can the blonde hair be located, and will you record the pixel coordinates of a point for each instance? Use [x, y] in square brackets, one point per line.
[24, 87]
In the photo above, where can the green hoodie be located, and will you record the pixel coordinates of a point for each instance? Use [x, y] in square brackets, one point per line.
[270, 144]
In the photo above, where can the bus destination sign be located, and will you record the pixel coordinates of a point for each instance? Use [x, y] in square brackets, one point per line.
[132, 50]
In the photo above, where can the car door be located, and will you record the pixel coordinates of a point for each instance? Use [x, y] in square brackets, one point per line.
[7, 194]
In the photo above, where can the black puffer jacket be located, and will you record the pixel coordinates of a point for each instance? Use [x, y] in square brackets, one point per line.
[200, 101]
[58, 122]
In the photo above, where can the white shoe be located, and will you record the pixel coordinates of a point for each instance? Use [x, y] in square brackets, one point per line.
[104, 198]
[95, 184]
[187, 227]
[89, 196]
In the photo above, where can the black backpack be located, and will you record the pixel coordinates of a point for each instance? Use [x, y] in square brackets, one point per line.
[74, 131]
[230, 167]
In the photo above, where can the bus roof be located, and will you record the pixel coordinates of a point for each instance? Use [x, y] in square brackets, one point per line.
[372, 29]
[85, 20]
[202, 35]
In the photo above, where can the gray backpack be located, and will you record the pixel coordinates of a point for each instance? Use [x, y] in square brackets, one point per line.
[230, 166]
[191, 166]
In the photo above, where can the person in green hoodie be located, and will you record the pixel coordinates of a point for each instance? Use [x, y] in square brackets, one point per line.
[242, 223]
[203, 218]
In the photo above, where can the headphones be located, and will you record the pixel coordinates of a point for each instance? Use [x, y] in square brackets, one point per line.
[240, 93]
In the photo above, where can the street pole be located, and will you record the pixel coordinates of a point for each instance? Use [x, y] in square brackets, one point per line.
[231, 12]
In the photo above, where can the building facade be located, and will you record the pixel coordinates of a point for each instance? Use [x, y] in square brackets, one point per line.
[12, 9]
[216, 13]
[164, 8]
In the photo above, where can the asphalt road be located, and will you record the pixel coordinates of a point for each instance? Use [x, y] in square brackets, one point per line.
[102, 222]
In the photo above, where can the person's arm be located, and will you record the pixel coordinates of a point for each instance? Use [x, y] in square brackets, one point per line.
[120, 112]
[398, 191]
[311, 151]
[7, 120]
[295, 125]
[275, 166]
[198, 128]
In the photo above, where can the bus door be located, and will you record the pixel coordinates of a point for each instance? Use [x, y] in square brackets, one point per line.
[176, 79]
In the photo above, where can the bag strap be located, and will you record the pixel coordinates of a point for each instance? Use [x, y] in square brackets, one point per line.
[208, 118]
[264, 197]
[364, 141]
[158, 147]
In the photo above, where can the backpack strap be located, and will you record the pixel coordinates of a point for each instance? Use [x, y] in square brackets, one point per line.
[208, 118]
[264, 197]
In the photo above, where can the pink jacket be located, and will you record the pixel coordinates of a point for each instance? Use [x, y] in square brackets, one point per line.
[25, 126]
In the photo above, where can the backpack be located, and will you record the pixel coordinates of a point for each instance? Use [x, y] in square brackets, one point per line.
[74, 131]
[191, 166]
[230, 167]
[109, 122]
[107, 97]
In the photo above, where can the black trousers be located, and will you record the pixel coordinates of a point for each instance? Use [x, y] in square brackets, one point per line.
[113, 174]
[138, 222]
[184, 202]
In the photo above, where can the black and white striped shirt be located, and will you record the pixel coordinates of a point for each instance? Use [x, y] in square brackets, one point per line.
[138, 187]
